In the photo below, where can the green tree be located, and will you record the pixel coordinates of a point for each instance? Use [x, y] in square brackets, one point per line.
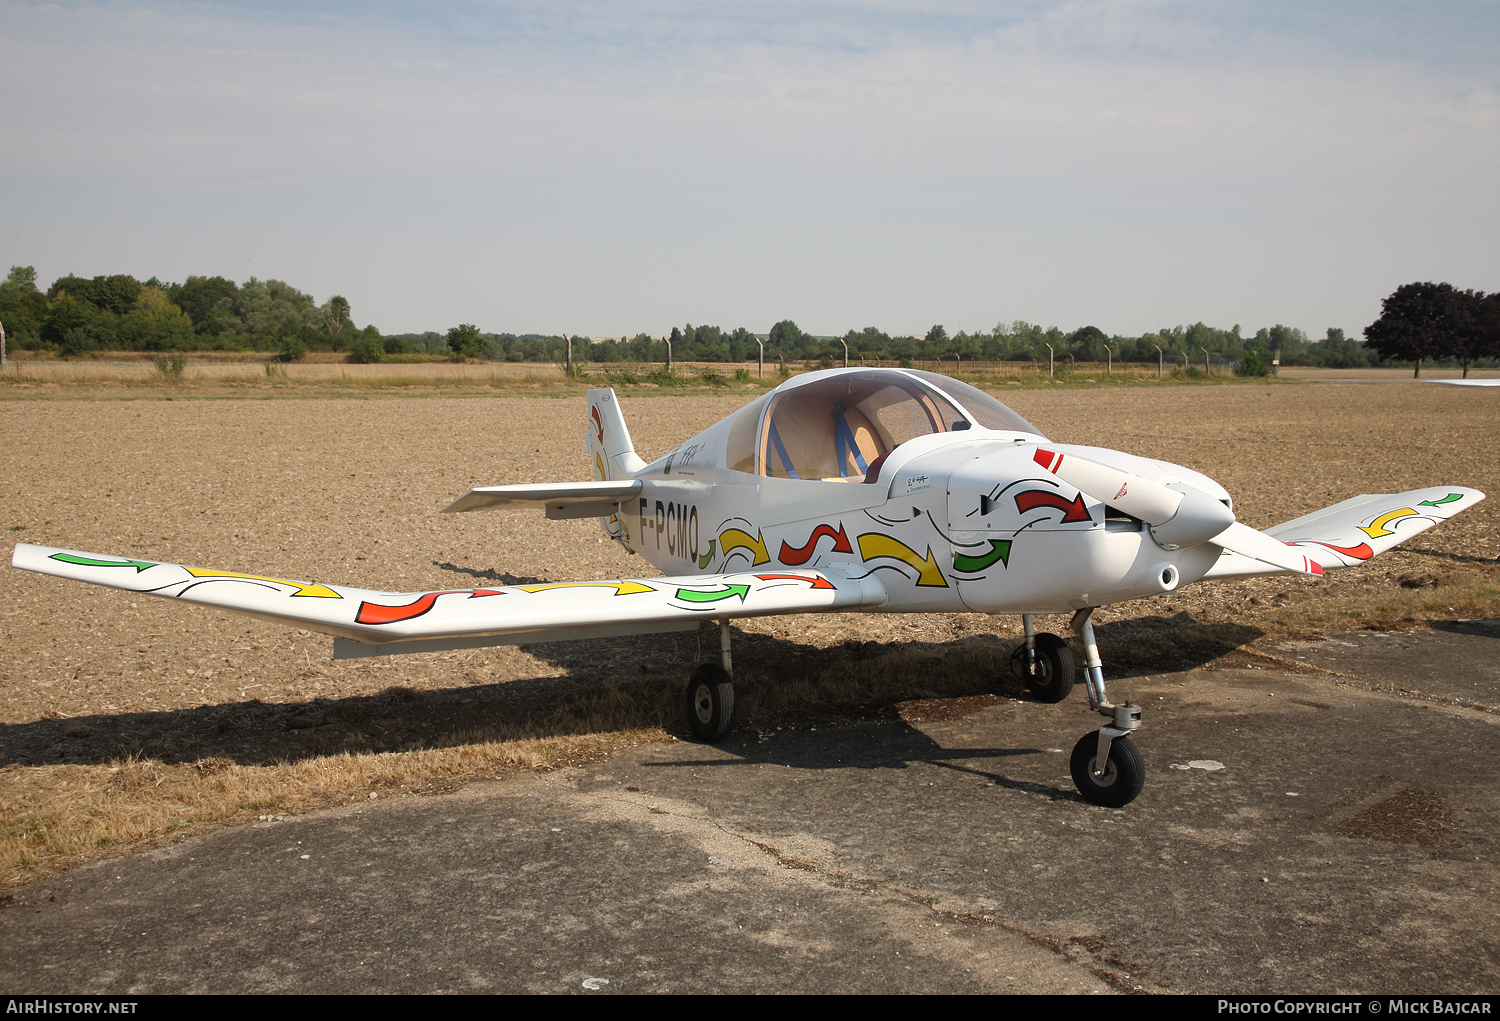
[367, 346]
[66, 314]
[207, 301]
[466, 341]
[1088, 343]
[23, 308]
[786, 337]
[338, 312]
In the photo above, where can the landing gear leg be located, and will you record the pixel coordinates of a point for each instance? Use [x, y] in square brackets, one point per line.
[1106, 765]
[710, 694]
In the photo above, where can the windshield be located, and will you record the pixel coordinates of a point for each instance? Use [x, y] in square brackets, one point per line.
[982, 408]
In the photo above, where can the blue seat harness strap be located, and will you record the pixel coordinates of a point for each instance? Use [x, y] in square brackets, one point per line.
[845, 445]
[786, 462]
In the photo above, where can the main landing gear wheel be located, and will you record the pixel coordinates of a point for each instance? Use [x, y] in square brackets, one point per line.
[1050, 678]
[710, 703]
[1121, 779]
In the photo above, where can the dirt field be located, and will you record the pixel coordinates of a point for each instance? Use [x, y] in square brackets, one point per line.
[126, 722]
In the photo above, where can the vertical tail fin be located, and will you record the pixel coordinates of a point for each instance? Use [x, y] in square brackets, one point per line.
[610, 448]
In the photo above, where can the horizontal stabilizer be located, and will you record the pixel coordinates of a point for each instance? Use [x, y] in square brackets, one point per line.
[562, 499]
[548, 611]
[1353, 531]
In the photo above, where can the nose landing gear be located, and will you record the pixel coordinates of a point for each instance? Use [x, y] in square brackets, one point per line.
[1106, 765]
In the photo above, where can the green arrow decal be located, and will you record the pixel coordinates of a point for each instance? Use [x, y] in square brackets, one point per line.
[1438, 503]
[708, 557]
[68, 558]
[999, 550]
[694, 596]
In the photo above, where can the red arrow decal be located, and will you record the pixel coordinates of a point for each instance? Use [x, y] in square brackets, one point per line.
[798, 555]
[1073, 510]
[817, 581]
[379, 613]
[1360, 552]
[598, 425]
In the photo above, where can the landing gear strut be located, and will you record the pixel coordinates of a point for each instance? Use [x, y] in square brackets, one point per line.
[710, 694]
[1106, 765]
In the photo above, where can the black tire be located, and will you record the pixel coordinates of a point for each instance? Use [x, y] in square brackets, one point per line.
[1050, 678]
[1123, 778]
[710, 703]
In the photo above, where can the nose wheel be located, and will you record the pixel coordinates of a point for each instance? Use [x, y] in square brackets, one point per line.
[1114, 781]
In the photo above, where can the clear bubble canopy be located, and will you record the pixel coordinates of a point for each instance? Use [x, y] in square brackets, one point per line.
[833, 426]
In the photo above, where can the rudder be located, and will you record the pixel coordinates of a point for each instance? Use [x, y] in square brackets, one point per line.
[611, 450]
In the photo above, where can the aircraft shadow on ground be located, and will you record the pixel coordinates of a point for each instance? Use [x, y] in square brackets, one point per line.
[867, 747]
[1473, 628]
[608, 685]
[1459, 558]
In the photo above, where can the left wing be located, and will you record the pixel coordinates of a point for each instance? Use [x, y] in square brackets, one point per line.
[1351, 532]
[371, 623]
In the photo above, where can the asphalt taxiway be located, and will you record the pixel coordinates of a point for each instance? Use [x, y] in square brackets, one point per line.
[1324, 828]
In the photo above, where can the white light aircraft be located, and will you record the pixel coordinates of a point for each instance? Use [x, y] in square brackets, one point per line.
[867, 490]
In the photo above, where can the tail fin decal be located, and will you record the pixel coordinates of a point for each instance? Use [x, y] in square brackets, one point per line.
[610, 449]
[609, 443]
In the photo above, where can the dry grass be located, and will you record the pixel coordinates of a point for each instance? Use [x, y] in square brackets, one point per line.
[251, 374]
[125, 723]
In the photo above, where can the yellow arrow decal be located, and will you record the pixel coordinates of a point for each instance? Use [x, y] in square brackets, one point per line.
[733, 538]
[1377, 527]
[303, 588]
[874, 545]
[622, 588]
[599, 463]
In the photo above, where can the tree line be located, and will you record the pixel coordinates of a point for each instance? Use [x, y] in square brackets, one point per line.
[1420, 322]
[120, 313]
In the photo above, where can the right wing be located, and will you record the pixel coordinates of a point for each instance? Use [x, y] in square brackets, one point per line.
[371, 623]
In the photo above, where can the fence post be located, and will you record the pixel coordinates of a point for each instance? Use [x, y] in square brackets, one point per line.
[1109, 360]
[760, 360]
[846, 351]
[1161, 360]
[1206, 372]
[1049, 360]
[669, 354]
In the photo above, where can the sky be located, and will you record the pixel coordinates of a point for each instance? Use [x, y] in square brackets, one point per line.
[611, 168]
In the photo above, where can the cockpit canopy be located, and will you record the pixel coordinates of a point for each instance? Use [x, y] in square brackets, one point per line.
[836, 426]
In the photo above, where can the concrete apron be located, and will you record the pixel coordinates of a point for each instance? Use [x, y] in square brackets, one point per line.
[1347, 844]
